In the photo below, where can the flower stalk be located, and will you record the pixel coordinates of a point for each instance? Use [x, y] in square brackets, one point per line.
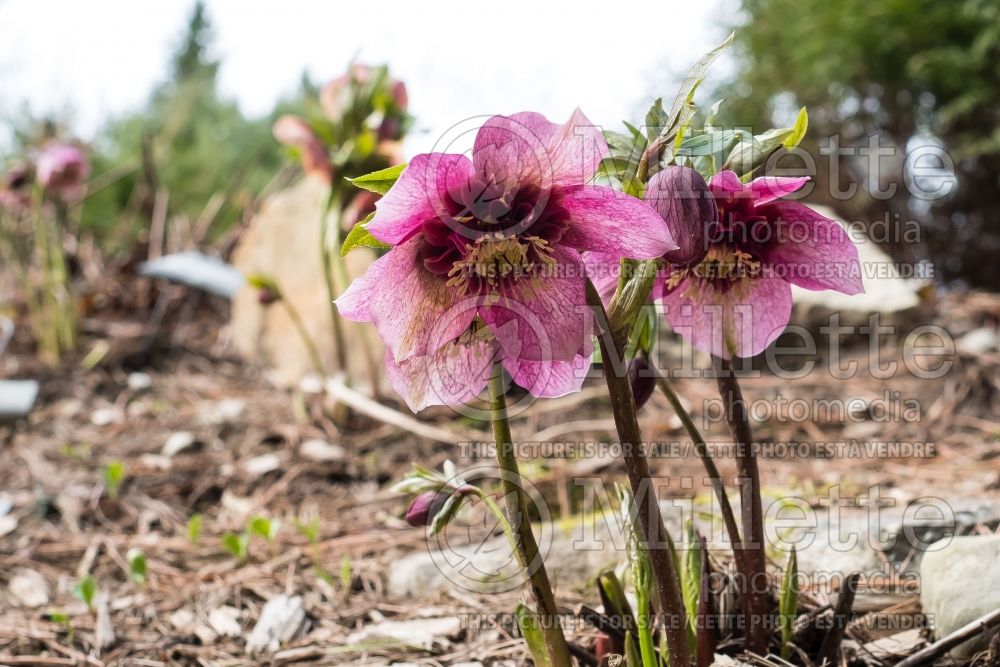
[525, 546]
[654, 533]
[753, 556]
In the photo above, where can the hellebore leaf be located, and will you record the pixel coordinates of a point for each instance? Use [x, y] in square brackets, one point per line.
[788, 602]
[798, 130]
[533, 636]
[360, 237]
[379, 181]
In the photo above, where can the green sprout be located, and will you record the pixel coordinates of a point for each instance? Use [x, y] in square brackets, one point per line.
[113, 474]
[194, 529]
[137, 566]
[86, 590]
[237, 545]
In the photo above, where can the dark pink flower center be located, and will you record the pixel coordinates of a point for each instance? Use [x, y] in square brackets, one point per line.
[487, 236]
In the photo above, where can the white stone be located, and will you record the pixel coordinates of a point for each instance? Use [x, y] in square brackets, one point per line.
[29, 588]
[959, 583]
[225, 621]
[321, 450]
[423, 632]
[280, 620]
[139, 381]
[177, 442]
[261, 465]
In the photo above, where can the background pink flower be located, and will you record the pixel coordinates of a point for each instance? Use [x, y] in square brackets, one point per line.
[486, 260]
[62, 169]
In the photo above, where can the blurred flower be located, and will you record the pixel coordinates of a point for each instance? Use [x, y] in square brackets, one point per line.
[358, 209]
[62, 169]
[296, 133]
[737, 299]
[486, 260]
[334, 97]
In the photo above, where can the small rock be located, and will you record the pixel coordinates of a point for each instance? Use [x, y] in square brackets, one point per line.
[280, 620]
[425, 633]
[959, 582]
[139, 381]
[321, 450]
[183, 620]
[311, 383]
[29, 588]
[225, 621]
[978, 341]
[7, 525]
[261, 465]
[106, 416]
[156, 461]
[177, 442]
[226, 410]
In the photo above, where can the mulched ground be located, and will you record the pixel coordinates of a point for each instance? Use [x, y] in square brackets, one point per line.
[199, 605]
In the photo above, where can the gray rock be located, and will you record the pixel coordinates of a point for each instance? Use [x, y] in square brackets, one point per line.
[194, 269]
[960, 582]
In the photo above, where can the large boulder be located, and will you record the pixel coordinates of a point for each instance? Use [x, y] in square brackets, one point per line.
[283, 242]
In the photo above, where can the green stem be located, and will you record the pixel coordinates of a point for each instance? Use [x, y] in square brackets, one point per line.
[525, 547]
[300, 326]
[654, 533]
[500, 516]
[701, 449]
[330, 247]
[751, 510]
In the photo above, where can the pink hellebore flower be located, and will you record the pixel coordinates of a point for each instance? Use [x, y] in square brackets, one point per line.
[728, 288]
[62, 169]
[294, 132]
[486, 260]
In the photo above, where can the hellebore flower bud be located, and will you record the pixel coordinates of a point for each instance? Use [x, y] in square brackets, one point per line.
[266, 296]
[682, 198]
[62, 168]
[425, 507]
[642, 380]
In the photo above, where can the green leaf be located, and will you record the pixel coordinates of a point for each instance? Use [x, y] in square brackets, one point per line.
[788, 602]
[360, 237]
[237, 545]
[632, 656]
[533, 635]
[657, 119]
[691, 579]
[379, 181]
[798, 130]
[85, 590]
[194, 528]
[695, 76]
[346, 571]
[137, 565]
[309, 530]
[113, 474]
[264, 527]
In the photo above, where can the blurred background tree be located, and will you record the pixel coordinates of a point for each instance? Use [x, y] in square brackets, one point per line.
[914, 72]
[188, 142]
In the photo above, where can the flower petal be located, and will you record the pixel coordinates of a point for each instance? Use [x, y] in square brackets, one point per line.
[295, 132]
[812, 251]
[526, 147]
[451, 375]
[740, 322]
[726, 182]
[612, 222]
[543, 319]
[420, 193]
[549, 379]
[413, 309]
[769, 188]
[603, 270]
